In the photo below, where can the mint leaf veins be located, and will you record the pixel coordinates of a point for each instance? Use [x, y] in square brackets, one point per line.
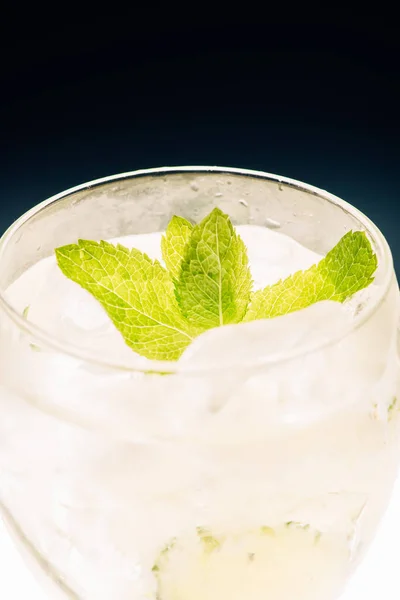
[135, 291]
[215, 282]
[207, 283]
[173, 244]
[346, 269]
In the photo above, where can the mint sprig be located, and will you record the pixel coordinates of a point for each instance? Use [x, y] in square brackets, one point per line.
[207, 283]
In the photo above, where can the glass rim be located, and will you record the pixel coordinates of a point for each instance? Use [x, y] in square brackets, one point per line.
[159, 366]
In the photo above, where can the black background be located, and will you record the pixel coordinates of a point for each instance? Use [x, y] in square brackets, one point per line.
[316, 101]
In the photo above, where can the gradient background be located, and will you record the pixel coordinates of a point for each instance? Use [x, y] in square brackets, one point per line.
[313, 101]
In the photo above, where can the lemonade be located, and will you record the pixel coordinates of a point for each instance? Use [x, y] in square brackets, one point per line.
[256, 465]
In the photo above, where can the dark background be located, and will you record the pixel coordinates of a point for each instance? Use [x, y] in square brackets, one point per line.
[315, 101]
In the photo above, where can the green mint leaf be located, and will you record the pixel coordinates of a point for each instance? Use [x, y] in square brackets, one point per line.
[136, 292]
[346, 269]
[392, 407]
[163, 554]
[214, 283]
[209, 542]
[173, 244]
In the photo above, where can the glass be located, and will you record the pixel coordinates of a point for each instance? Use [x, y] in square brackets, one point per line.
[252, 479]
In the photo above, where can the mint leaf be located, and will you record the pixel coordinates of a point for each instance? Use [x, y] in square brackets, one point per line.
[164, 553]
[346, 269]
[173, 244]
[214, 283]
[209, 542]
[136, 292]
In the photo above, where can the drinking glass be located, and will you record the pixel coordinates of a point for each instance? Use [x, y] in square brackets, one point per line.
[256, 476]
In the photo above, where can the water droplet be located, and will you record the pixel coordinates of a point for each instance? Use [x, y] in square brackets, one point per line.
[244, 202]
[194, 187]
[280, 187]
[272, 224]
[218, 194]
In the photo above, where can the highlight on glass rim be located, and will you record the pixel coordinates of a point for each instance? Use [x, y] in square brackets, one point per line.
[199, 387]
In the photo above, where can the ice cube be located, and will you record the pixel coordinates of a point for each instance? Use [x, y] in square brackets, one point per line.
[61, 302]
[59, 306]
[273, 255]
[260, 392]
[265, 340]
